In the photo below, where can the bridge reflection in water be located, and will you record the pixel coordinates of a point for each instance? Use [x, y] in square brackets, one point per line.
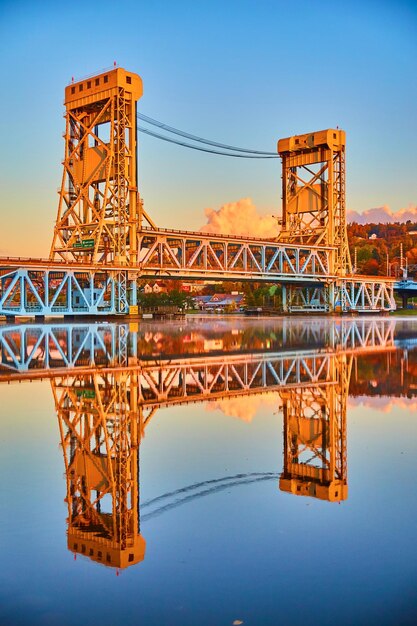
[108, 382]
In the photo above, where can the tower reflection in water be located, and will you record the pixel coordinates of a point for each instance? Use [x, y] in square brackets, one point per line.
[315, 455]
[100, 435]
[105, 395]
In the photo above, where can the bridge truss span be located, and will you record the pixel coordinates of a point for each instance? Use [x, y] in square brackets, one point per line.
[362, 294]
[58, 291]
[188, 255]
[43, 288]
[348, 294]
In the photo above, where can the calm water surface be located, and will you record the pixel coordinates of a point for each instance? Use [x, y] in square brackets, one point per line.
[209, 472]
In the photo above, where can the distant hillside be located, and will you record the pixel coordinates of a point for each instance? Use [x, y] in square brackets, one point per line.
[373, 241]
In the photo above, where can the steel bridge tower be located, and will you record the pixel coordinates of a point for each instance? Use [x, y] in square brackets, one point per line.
[313, 194]
[314, 209]
[99, 207]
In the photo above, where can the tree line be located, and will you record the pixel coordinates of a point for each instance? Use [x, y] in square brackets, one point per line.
[378, 247]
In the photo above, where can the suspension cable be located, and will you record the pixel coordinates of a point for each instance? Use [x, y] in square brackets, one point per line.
[188, 145]
[181, 133]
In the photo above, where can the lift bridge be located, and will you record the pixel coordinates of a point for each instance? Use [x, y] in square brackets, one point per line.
[104, 241]
[106, 396]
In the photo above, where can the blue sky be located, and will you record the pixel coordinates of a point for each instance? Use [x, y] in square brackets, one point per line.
[244, 73]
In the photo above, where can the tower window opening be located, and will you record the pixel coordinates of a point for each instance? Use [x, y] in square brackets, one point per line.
[81, 87]
[97, 82]
[72, 89]
[88, 84]
[131, 557]
[104, 132]
[106, 79]
[129, 80]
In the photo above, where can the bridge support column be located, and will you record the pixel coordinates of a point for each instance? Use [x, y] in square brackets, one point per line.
[133, 293]
[132, 282]
[284, 299]
[308, 299]
[331, 295]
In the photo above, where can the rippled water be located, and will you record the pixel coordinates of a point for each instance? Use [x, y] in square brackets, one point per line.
[209, 472]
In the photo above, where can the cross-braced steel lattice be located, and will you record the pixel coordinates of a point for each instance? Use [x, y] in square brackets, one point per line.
[313, 194]
[98, 213]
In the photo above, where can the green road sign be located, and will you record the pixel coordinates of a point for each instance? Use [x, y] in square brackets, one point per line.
[85, 393]
[85, 243]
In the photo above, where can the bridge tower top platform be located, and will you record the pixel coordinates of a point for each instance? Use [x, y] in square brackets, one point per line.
[313, 193]
[99, 208]
[91, 89]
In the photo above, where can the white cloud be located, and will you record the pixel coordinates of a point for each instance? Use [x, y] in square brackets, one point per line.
[383, 215]
[240, 218]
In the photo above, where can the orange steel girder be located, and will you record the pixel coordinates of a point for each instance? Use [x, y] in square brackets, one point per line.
[313, 194]
[99, 206]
